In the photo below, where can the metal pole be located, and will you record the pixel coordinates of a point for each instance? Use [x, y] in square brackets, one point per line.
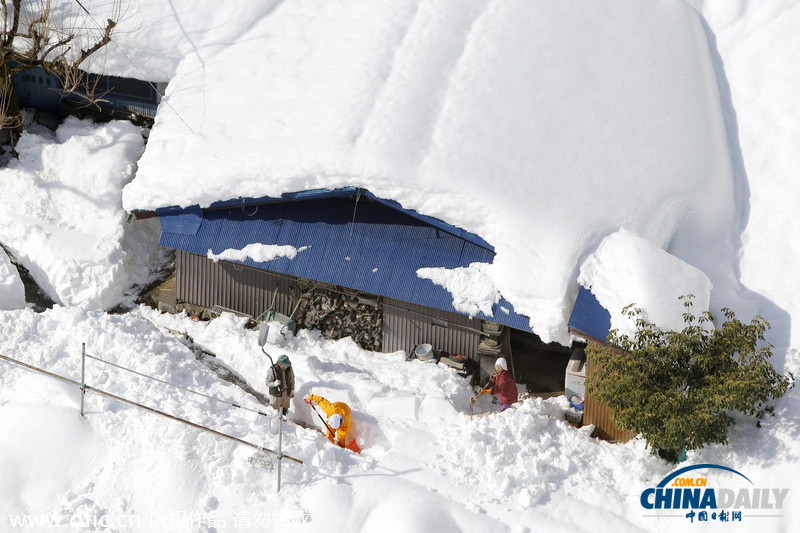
[280, 445]
[83, 374]
[144, 407]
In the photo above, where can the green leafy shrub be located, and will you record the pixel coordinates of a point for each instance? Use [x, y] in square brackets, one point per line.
[678, 388]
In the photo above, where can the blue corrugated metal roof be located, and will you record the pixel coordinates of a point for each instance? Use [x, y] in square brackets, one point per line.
[319, 194]
[589, 317]
[371, 246]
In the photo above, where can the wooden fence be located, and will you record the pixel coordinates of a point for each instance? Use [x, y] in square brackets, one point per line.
[597, 413]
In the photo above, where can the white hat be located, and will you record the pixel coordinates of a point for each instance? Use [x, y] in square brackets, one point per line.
[501, 362]
[335, 421]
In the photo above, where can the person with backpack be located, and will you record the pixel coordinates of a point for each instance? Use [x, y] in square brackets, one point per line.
[505, 388]
[280, 380]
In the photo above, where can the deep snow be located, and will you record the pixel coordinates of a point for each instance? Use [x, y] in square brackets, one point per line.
[697, 126]
[455, 111]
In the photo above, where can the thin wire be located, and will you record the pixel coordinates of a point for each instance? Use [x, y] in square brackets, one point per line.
[142, 74]
[353, 222]
[177, 386]
[87, 11]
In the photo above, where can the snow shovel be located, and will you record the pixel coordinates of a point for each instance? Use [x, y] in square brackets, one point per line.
[270, 315]
[474, 398]
[353, 447]
[263, 332]
[288, 322]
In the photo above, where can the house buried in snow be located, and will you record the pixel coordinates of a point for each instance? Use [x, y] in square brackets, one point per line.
[345, 262]
[414, 105]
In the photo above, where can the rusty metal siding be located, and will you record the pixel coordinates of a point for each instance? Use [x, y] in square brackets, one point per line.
[204, 283]
[599, 414]
[406, 325]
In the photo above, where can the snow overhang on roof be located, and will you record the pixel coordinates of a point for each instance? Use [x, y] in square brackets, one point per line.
[346, 237]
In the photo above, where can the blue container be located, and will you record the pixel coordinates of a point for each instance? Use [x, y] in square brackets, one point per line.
[576, 401]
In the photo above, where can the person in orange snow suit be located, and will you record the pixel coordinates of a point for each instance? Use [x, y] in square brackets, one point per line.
[504, 385]
[338, 418]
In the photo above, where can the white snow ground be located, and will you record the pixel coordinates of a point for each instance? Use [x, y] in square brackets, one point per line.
[694, 127]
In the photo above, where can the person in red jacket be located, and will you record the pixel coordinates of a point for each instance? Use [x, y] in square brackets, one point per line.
[505, 388]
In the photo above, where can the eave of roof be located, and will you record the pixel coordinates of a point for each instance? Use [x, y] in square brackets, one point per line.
[344, 192]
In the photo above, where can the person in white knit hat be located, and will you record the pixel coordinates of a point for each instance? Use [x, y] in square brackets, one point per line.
[504, 386]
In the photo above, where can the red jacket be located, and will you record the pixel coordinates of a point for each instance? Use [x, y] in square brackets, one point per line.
[505, 388]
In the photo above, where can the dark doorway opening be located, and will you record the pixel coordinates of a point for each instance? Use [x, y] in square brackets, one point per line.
[541, 367]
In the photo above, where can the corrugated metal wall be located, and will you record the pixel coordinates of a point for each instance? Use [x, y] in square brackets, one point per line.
[202, 282]
[599, 414]
[406, 325]
[205, 283]
[38, 89]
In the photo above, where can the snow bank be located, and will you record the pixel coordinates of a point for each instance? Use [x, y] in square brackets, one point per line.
[425, 464]
[757, 43]
[118, 461]
[368, 382]
[61, 213]
[12, 292]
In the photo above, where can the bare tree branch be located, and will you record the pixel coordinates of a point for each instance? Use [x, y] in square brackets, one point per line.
[104, 40]
[5, 20]
[12, 33]
[32, 37]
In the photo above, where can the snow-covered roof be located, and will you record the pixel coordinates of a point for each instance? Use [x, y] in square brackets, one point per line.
[458, 112]
[347, 238]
